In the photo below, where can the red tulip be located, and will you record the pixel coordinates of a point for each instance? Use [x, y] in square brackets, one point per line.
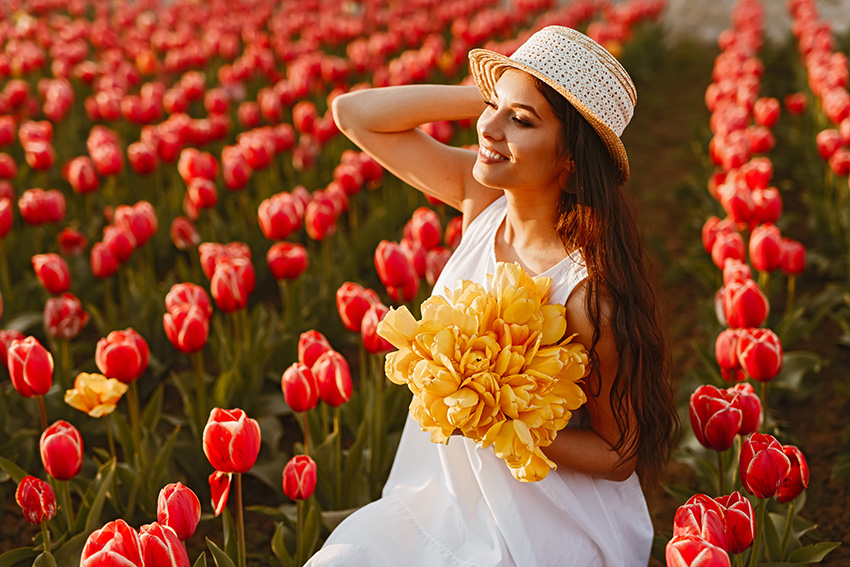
[435, 260]
[740, 521]
[766, 112]
[425, 227]
[404, 293]
[8, 167]
[737, 200]
[369, 329]
[828, 141]
[116, 543]
[693, 551]
[798, 477]
[763, 465]
[767, 205]
[5, 216]
[392, 264]
[334, 378]
[736, 271]
[744, 398]
[161, 547]
[61, 449]
[231, 440]
[714, 418]
[300, 389]
[188, 293]
[212, 253]
[187, 327]
[319, 218]
[120, 241]
[235, 168]
[52, 272]
[6, 338]
[299, 477]
[744, 304]
[726, 352]
[64, 316]
[30, 367]
[140, 219]
[793, 257]
[311, 345]
[766, 247]
[757, 172]
[760, 353]
[39, 155]
[231, 283]
[178, 508]
[703, 517]
[287, 260]
[103, 262]
[71, 242]
[143, 157]
[194, 163]
[36, 499]
[278, 216]
[726, 247]
[219, 490]
[183, 233]
[454, 232]
[352, 302]
[201, 193]
[248, 114]
[82, 175]
[107, 159]
[38, 206]
[795, 103]
[123, 355]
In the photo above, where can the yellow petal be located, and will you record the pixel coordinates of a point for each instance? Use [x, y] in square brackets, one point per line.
[398, 327]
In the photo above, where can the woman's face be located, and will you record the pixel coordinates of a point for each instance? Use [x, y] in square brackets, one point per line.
[518, 137]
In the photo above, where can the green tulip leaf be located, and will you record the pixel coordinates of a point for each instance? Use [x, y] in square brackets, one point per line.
[284, 513]
[123, 433]
[153, 410]
[279, 546]
[201, 561]
[163, 458]
[795, 366]
[96, 495]
[44, 560]
[812, 553]
[229, 529]
[15, 556]
[220, 558]
[773, 530]
[16, 472]
[310, 535]
[68, 553]
[25, 321]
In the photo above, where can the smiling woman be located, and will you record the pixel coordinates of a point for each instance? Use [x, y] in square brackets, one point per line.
[543, 190]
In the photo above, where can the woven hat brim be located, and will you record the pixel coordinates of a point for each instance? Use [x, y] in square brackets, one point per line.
[487, 67]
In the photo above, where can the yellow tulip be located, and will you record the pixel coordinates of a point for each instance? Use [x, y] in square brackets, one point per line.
[95, 394]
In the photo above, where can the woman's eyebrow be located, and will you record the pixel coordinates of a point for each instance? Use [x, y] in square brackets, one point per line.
[525, 107]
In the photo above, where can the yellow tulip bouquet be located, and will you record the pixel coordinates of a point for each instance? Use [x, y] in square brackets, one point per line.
[493, 364]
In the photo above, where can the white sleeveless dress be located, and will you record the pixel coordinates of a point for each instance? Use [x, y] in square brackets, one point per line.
[457, 505]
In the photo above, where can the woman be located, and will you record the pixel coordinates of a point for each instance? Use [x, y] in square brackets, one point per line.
[543, 190]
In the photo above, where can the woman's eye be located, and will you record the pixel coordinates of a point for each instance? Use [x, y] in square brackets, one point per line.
[490, 104]
[522, 122]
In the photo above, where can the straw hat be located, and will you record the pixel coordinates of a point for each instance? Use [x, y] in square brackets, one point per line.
[581, 70]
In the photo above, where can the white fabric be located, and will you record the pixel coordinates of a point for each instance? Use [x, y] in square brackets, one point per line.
[457, 505]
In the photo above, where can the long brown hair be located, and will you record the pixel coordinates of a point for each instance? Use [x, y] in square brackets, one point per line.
[597, 217]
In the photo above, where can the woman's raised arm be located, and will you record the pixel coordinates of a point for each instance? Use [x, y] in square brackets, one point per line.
[383, 122]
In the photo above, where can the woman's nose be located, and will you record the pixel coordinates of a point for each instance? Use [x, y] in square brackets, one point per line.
[489, 124]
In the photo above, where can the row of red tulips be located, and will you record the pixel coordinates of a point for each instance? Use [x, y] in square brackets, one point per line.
[708, 530]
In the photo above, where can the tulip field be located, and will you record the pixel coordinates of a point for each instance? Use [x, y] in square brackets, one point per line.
[194, 263]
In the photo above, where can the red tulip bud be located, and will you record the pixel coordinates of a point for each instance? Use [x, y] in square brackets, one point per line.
[334, 378]
[64, 316]
[123, 355]
[231, 440]
[454, 232]
[767, 205]
[232, 282]
[736, 271]
[71, 242]
[278, 216]
[352, 302]
[30, 367]
[299, 478]
[760, 353]
[726, 247]
[188, 293]
[103, 262]
[435, 260]
[82, 175]
[183, 233]
[392, 264]
[116, 543]
[744, 398]
[798, 478]
[300, 389]
[187, 327]
[6, 338]
[287, 260]
[425, 227]
[795, 103]
[61, 449]
[161, 547]
[703, 517]
[320, 219]
[311, 345]
[766, 247]
[178, 508]
[5, 216]
[766, 112]
[828, 141]
[726, 352]
[36, 499]
[120, 241]
[763, 465]
[219, 490]
[52, 272]
[740, 521]
[374, 343]
[793, 257]
[744, 304]
[693, 551]
[715, 419]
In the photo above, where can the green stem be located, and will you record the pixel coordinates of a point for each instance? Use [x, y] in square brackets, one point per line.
[764, 282]
[200, 390]
[738, 442]
[764, 403]
[66, 503]
[246, 329]
[45, 536]
[721, 474]
[109, 301]
[299, 533]
[305, 427]
[133, 407]
[285, 305]
[789, 299]
[4, 270]
[240, 523]
[787, 532]
[108, 423]
[338, 458]
[42, 413]
[65, 357]
[762, 504]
